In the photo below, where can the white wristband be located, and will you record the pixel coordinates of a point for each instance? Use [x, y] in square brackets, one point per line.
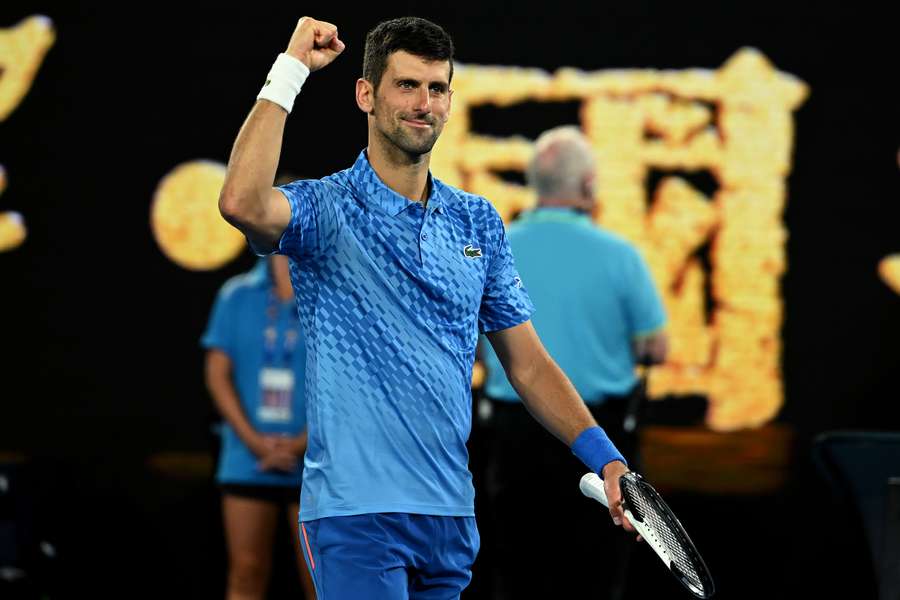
[284, 81]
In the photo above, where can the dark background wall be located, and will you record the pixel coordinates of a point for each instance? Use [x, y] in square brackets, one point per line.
[100, 362]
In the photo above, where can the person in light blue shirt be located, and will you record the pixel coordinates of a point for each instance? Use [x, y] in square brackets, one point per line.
[597, 312]
[598, 308]
[255, 363]
[396, 273]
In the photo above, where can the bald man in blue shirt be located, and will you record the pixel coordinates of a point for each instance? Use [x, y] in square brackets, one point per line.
[395, 274]
[597, 312]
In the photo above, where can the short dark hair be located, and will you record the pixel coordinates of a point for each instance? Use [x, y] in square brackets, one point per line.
[410, 34]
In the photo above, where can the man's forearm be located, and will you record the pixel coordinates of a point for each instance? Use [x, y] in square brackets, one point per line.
[253, 164]
[552, 399]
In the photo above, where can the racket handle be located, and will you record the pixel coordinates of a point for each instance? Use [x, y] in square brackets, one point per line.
[592, 486]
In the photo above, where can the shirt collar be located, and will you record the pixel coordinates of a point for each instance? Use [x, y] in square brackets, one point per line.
[565, 214]
[366, 180]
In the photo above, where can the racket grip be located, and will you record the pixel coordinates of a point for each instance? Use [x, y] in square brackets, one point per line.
[592, 486]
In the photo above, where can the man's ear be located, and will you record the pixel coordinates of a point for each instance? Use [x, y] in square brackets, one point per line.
[589, 186]
[365, 96]
[589, 195]
[449, 104]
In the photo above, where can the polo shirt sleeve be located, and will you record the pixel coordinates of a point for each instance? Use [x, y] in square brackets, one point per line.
[643, 306]
[220, 330]
[505, 302]
[314, 222]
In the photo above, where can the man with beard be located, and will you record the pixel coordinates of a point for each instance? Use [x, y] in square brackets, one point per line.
[395, 274]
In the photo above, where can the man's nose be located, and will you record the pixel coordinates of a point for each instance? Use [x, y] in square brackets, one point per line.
[423, 100]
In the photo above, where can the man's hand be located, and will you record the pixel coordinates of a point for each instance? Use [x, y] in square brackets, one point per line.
[611, 473]
[315, 43]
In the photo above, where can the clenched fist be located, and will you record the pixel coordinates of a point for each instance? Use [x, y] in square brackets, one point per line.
[315, 43]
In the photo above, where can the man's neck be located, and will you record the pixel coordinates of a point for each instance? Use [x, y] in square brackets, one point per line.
[584, 205]
[406, 175]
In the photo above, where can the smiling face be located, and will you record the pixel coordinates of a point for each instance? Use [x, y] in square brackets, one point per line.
[411, 104]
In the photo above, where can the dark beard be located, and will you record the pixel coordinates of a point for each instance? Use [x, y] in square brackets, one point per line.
[409, 145]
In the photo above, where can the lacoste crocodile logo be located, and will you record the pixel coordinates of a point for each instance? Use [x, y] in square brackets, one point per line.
[471, 252]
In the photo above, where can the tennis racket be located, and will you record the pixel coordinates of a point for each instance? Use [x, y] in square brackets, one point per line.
[659, 527]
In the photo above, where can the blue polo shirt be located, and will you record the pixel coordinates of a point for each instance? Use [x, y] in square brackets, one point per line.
[392, 297]
[593, 293]
[244, 310]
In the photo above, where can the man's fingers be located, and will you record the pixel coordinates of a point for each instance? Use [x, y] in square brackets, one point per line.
[614, 495]
[323, 39]
[315, 43]
[325, 33]
[616, 512]
[328, 44]
[336, 44]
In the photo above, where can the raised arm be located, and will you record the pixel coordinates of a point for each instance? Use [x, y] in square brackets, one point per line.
[248, 201]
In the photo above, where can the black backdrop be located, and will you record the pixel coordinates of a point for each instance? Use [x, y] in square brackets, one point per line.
[100, 362]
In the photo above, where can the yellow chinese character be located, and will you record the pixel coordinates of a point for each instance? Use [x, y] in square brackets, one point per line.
[717, 259]
[22, 49]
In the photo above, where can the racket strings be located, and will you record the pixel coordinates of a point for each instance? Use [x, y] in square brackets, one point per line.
[657, 516]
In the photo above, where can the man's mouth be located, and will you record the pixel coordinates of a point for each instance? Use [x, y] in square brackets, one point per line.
[421, 123]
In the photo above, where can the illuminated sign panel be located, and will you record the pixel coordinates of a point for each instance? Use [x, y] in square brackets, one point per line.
[22, 50]
[717, 260]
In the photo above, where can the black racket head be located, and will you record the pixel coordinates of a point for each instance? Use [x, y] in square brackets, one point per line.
[648, 507]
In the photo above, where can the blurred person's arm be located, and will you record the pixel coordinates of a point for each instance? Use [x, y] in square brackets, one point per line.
[221, 388]
[651, 349]
[551, 398]
[248, 201]
[644, 311]
[297, 444]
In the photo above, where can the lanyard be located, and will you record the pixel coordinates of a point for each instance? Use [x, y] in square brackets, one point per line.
[270, 333]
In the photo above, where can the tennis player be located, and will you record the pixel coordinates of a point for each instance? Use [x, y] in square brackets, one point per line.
[395, 274]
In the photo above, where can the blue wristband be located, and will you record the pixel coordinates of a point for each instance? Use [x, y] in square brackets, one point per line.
[595, 450]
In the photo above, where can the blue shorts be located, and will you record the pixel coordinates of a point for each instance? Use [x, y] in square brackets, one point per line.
[390, 556]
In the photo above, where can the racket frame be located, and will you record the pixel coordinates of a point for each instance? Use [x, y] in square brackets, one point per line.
[592, 486]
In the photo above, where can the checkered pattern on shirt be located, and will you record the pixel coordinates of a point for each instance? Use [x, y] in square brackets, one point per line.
[391, 305]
